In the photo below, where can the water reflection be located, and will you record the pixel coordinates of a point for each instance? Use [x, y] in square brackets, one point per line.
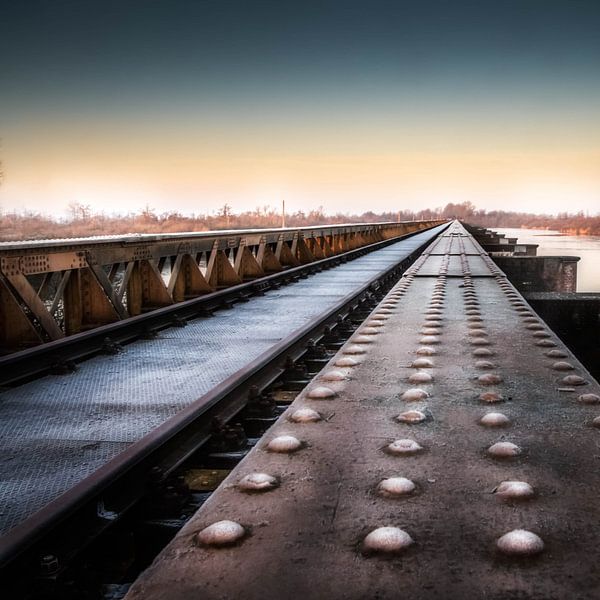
[553, 243]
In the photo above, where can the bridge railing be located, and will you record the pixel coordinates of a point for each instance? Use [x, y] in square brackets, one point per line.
[50, 289]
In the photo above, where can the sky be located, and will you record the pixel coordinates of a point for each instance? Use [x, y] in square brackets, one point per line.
[188, 105]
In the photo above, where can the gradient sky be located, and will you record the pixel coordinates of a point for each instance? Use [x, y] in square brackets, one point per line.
[187, 105]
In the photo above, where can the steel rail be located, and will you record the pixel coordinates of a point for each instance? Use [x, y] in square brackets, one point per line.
[77, 516]
[58, 354]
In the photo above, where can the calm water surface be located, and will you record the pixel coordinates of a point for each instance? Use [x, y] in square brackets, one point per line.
[552, 243]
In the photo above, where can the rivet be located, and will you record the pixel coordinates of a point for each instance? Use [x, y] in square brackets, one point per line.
[369, 331]
[395, 486]
[354, 349]
[375, 323]
[491, 397]
[414, 394]
[489, 379]
[433, 322]
[422, 363]
[556, 354]
[411, 416]
[305, 415]
[472, 312]
[362, 339]
[541, 334]
[257, 482]
[562, 366]
[589, 399]
[504, 449]
[433, 311]
[596, 422]
[534, 326]
[573, 380]
[346, 361]
[401, 447]
[520, 543]
[426, 351]
[474, 318]
[478, 333]
[494, 419]
[483, 352]
[321, 392]
[420, 377]
[430, 331]
[479, 341]
[284, 444]
[333, 376]
[429, 339]
[545, 343]
[221, 533]
[484, 364]
[387, 540]
[514, 490]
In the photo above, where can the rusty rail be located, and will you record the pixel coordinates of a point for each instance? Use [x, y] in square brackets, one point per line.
[50, 289]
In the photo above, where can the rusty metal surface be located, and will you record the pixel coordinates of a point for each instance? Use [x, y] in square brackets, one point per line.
[56, 430]
[305, 538]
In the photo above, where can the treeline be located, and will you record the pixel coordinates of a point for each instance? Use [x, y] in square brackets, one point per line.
[83, 221]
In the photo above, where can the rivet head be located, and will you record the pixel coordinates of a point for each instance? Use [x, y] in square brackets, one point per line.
[491, 397]
[504, 450]
[556, 354]
[354, 349]
[483, 352]
[403, 447]
[514, 490]
[375, 323]
[396, 486]
[596, 422]
[305, 415]
[545, 343]
[362, 339]
[422, 363]
[411, 416]
[321, 392]
[573, 380]
[369, 331]
[221, 533]
[489, 379]
[479, 341]
[484, 364]
[257, 482]
[430, 331]
[346, 361]
[387, 540]
[426, 351]
[284, 444]
[562, 366]
[429, 339]
[589, 399]
[333, 376]
[420, 377]
[520, 543]
[494, 419]
[414, 394]
[541, 334]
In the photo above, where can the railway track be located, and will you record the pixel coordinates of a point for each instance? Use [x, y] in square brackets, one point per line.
[449, 449]
[109, 525]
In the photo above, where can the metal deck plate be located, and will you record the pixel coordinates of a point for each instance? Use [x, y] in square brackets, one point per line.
[304, 539]
[57, 430]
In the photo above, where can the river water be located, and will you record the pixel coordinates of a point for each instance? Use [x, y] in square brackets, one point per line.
[553, 243]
